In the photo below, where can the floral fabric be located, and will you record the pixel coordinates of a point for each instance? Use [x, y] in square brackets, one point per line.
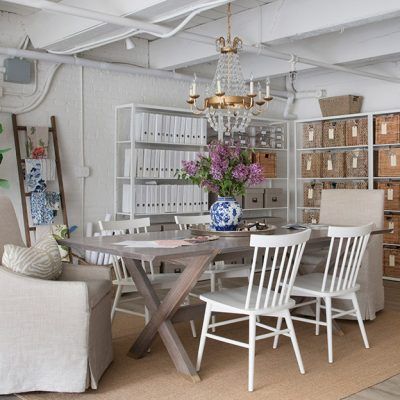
[34, 181]
[37, 141]
[44, 206]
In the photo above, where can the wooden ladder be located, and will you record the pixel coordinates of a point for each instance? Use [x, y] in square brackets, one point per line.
[25, 196]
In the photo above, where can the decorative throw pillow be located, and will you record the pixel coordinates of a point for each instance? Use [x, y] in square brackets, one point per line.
[41, 261]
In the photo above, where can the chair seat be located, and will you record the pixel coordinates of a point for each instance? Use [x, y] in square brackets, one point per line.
[227, 271]
[235, 299]
[312, 284]
[97, 290]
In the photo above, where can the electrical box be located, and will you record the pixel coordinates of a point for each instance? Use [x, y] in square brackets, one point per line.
[17, 70]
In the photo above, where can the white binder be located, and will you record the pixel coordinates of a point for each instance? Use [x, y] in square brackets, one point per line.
[167, 124]
[127, 163]
[146, 163]
[152, 127]
[152, 163]
[126, 198]
[171, 126]
[194, 140]
[138, 199]
[178, 160]
[177, 130]
[203, 131]
[182, 130]
[162, 164]
[172, 154]
[158, 127]
[205, 201]
[144, 127]
[156, 163]
[167, 198]
[179, 199]
[188, 130]
[138, 127]
[146, 199]
[139, 163]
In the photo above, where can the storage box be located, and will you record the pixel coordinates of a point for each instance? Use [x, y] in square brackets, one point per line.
[333, 165]
[340, 105]
[391, 262]
[333, 133]
[392, 194]
[254, 198]
[392, 221]
[389, 162]
[311, 165]
[357, 185]
[312, 134]
[329, 185]
[274, 198]
[239, 199]
[357, 163]
[357, 132]
[268, 163]
[312, 194]
[311, 216]
[387, 129]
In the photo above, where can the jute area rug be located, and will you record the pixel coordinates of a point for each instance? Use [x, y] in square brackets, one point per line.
[224, 368]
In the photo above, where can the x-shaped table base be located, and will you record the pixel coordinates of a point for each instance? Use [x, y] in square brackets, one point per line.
[170, 309]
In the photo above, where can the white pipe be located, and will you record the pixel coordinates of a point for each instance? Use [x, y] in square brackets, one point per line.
[82, 137]
[287, 113]
[130, 69]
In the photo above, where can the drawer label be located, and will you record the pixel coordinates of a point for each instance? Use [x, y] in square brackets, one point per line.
[355, 162]
[390, 194]
[392, 260]
[393, 160]
[383, 128]
[313, 221]
[354, 131]
[310, 193]
[391, 225]
[331, 134]
[308, 165]
[310, 135]
[330, 166]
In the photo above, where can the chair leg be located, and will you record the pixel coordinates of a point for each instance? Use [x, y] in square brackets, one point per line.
[219, 281]
[252, 350]
[204, 330]
[295, 344]
[116, 301]
[276, 338]
[317, 314]
[360, 320]
[212, 284]
[328, 307]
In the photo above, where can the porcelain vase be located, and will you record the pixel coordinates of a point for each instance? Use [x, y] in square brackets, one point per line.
[225, 214]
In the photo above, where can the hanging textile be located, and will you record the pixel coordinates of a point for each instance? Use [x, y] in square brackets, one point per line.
[41, 213]
[37, 141]
[34, 181]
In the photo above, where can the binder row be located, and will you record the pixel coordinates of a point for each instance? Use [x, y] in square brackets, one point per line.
[161, 163]
[160, 128]
[158, 199]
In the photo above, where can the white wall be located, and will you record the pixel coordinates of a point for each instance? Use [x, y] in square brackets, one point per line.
[102, 92]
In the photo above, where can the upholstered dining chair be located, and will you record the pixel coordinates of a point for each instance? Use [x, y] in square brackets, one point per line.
[54, 335]
[354, 207]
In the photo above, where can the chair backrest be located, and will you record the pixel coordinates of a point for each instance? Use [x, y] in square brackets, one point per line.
[121, 228]
[124, 226]
[348, 246]
[186, 221]
[9, 228]
[284, 252]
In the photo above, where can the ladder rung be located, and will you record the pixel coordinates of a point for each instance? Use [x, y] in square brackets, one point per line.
[27, 194]
[23, 128]
[32, 228]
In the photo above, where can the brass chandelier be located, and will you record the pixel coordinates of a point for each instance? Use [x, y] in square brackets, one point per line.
[229, 104]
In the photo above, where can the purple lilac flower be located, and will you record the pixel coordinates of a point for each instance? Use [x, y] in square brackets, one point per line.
[236, 151]
[218, 168]
[190, 167]
[241, 172]
[256, 175]
[211, 187]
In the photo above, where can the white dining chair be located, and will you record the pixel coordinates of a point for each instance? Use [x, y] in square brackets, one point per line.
[271, 297]
[346, 250]
[124, 281]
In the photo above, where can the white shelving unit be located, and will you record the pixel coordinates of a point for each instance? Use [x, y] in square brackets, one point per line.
[371, 147]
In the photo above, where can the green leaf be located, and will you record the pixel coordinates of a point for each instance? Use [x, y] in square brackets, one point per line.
[2, 151]
[4, 183]
[1, 128]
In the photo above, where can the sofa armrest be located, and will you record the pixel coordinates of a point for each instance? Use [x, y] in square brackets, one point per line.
[84, 273]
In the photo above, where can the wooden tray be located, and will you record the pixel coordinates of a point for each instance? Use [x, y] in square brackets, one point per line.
[201, 230]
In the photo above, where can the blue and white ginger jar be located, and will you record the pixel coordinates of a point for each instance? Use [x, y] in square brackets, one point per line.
[225, 214]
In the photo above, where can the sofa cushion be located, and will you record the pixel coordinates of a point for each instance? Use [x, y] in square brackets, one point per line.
[41, 261]
[97, 289]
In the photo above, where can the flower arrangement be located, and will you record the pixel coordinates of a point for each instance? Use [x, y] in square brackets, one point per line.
[226, 170]
[3, 182]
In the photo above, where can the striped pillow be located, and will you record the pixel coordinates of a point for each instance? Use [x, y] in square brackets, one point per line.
[41, 261]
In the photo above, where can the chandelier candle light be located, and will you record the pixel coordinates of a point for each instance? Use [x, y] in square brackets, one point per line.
[229, 104]
[226, 171]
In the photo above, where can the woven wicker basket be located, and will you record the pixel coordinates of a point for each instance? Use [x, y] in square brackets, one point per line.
[389, 162]
[391, 262]
[333, 133]
[329, 185]
[311, 216]
[357, 132]
[357, 163]
[392, 194]
[392, 221]
[333, 165]
[312, 194]
[387, 128]
[312, 134]
[311, 165]
[268, 163]
[357, 185]
[340, 105]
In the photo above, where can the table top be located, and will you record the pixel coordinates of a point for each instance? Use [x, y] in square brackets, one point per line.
[223, 245]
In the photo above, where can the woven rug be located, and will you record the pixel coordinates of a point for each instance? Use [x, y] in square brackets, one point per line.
[224, 368]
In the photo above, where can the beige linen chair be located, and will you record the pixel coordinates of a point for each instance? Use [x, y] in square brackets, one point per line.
[355, 207]
[55, 335]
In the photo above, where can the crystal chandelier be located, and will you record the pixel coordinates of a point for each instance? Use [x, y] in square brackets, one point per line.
[229, 104]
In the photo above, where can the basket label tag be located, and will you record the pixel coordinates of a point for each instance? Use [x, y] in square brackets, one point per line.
[390, 194]
[310, 193]
[391, 225]
[308, 165]
[354, 131]
[330, 166]
[355, 162]
[331, 133]
[383, 128]
[392, 260]
[311, 135]
[313, 221]
[393, 160]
